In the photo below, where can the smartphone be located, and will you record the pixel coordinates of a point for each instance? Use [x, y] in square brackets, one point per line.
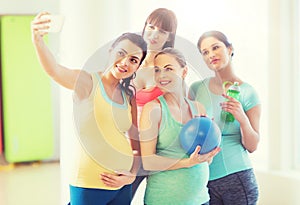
[56, 23]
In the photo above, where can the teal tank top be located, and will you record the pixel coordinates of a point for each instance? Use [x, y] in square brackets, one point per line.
[185, 186]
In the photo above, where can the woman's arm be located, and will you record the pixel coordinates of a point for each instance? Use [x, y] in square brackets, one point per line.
[149, 126]
[249, 122]
[250, 128]
[62, 75]
[134, 138]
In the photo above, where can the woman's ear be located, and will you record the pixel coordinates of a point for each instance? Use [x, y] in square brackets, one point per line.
[230, 51]
[184, 73]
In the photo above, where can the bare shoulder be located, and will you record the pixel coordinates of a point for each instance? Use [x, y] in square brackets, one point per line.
[150, 119]
[152, 106]
[151, 111]
[84, 79]
[84, 85]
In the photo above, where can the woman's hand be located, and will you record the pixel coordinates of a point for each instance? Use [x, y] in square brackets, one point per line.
[122, 178]
[234, 107]
[249, 121]
[39, 25]
[196, 158]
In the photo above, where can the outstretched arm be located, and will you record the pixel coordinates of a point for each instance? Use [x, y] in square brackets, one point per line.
[62, 75]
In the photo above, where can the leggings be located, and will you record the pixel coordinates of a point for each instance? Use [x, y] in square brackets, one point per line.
[239, 188]
[88, 196]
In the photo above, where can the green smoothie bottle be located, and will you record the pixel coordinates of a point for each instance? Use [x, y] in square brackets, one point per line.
[233, 91]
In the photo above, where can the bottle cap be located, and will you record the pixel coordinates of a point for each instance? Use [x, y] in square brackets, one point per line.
[235, 87]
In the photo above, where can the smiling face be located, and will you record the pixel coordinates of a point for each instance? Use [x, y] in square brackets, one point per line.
[169, 73]
[126, 57]
[215, 53]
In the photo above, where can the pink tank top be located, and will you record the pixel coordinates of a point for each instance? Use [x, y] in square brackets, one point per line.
[143, 96]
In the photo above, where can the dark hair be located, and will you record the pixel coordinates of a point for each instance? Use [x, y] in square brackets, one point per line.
[166, 20]
[134, 38]
[174, 52]
[216, 34]
[125, 84]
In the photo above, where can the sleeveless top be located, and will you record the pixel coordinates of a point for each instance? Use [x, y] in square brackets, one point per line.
[185, 186]
[143, 96]
[102, 145]
[233, 157]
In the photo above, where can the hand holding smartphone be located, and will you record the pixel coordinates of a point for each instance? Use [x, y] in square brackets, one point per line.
[56, 22]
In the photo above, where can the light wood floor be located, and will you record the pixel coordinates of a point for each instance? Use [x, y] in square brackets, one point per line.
[37, 184]
[30, 184]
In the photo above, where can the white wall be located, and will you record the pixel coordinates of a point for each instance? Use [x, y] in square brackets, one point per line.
[278, 188]
[11, 7]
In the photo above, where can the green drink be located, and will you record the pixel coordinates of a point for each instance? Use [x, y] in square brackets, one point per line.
[234, 92]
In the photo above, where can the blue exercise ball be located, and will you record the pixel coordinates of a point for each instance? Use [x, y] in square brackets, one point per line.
[201, 131]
